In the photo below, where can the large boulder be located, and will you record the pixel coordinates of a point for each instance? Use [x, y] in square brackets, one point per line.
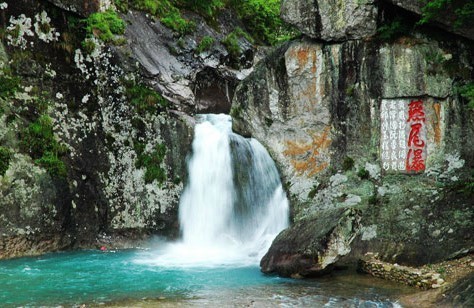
[320, 111]
[313, 245]
[332, 20]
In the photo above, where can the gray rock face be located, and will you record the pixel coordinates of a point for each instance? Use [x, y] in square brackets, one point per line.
[82, 7]
[311, 246]
[201, 83]
[332, 20]
[318, 106]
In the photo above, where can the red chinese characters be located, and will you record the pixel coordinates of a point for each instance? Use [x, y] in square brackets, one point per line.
[415, 160]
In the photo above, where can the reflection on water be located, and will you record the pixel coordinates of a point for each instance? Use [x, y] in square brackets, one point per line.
[116, 279]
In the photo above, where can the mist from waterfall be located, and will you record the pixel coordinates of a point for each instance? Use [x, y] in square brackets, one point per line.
[233, 205]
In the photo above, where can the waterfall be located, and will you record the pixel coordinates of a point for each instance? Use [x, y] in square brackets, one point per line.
[233, 205]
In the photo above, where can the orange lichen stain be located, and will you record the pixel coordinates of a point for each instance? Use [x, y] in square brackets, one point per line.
[307, 156]
[302, 55]
[437, 123]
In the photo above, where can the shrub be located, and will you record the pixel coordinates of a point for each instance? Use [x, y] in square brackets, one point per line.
[39, 141]
[151, 161]
[363, 174]
[144, 99]
[463, 10]
[8, 86]
[105, 25]
[205, 44]
[52, 164]
[175, 22]
[467, 92]
[206, 8]
[393, 30]
[262, 19]
[348, 163]
[231, 42]
[5, 157]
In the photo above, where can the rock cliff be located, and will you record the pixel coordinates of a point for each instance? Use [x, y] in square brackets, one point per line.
[343, 120]
[94, 136]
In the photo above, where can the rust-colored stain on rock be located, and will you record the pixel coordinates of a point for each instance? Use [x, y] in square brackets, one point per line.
[437, 122]
[307, 157]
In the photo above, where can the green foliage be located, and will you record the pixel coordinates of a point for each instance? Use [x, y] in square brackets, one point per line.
[312, 193]
[105, 25]
[144, 99]
[262, 19]
[231, 43]
[431, 9]
[348, 163]
[177, 23]
[373, 199]
[363, 174]
[5, 157]
[236, 112]
[205, 44]
[463, 10]
[393, 30]
[151, 161]
[166, 10]
[39, 141]
[53, 164]
[206, 8]
[8, 86]
[467, 92]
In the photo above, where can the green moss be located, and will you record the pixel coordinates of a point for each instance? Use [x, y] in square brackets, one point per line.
[39, 142]
[5, 157]
[8, 86]
[262, 19]
[236, 112]
[231, 43]
[363, 174]
[105, 25]
[151, 162]
[393, 30]
[467, 92]
[463, 11]
[205, 44]
[177, 23]
[348, 163]
[165, 10]
[206, 8]
[312, 193]
[52, 164]
[145, 100]
[268, 121]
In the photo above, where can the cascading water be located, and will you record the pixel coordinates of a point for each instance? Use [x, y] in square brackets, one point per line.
[233, 205]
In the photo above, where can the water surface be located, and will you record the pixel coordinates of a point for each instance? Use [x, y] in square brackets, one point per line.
[122, 279]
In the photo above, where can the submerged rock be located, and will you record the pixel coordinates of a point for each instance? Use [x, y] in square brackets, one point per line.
[312, 246]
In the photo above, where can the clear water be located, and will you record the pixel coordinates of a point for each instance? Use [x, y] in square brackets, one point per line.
[120, 279]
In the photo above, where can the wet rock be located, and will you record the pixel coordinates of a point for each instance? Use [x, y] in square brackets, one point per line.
[332, 20]
[312, 246]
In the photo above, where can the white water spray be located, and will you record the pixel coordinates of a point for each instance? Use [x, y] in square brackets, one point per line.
[233, 205]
